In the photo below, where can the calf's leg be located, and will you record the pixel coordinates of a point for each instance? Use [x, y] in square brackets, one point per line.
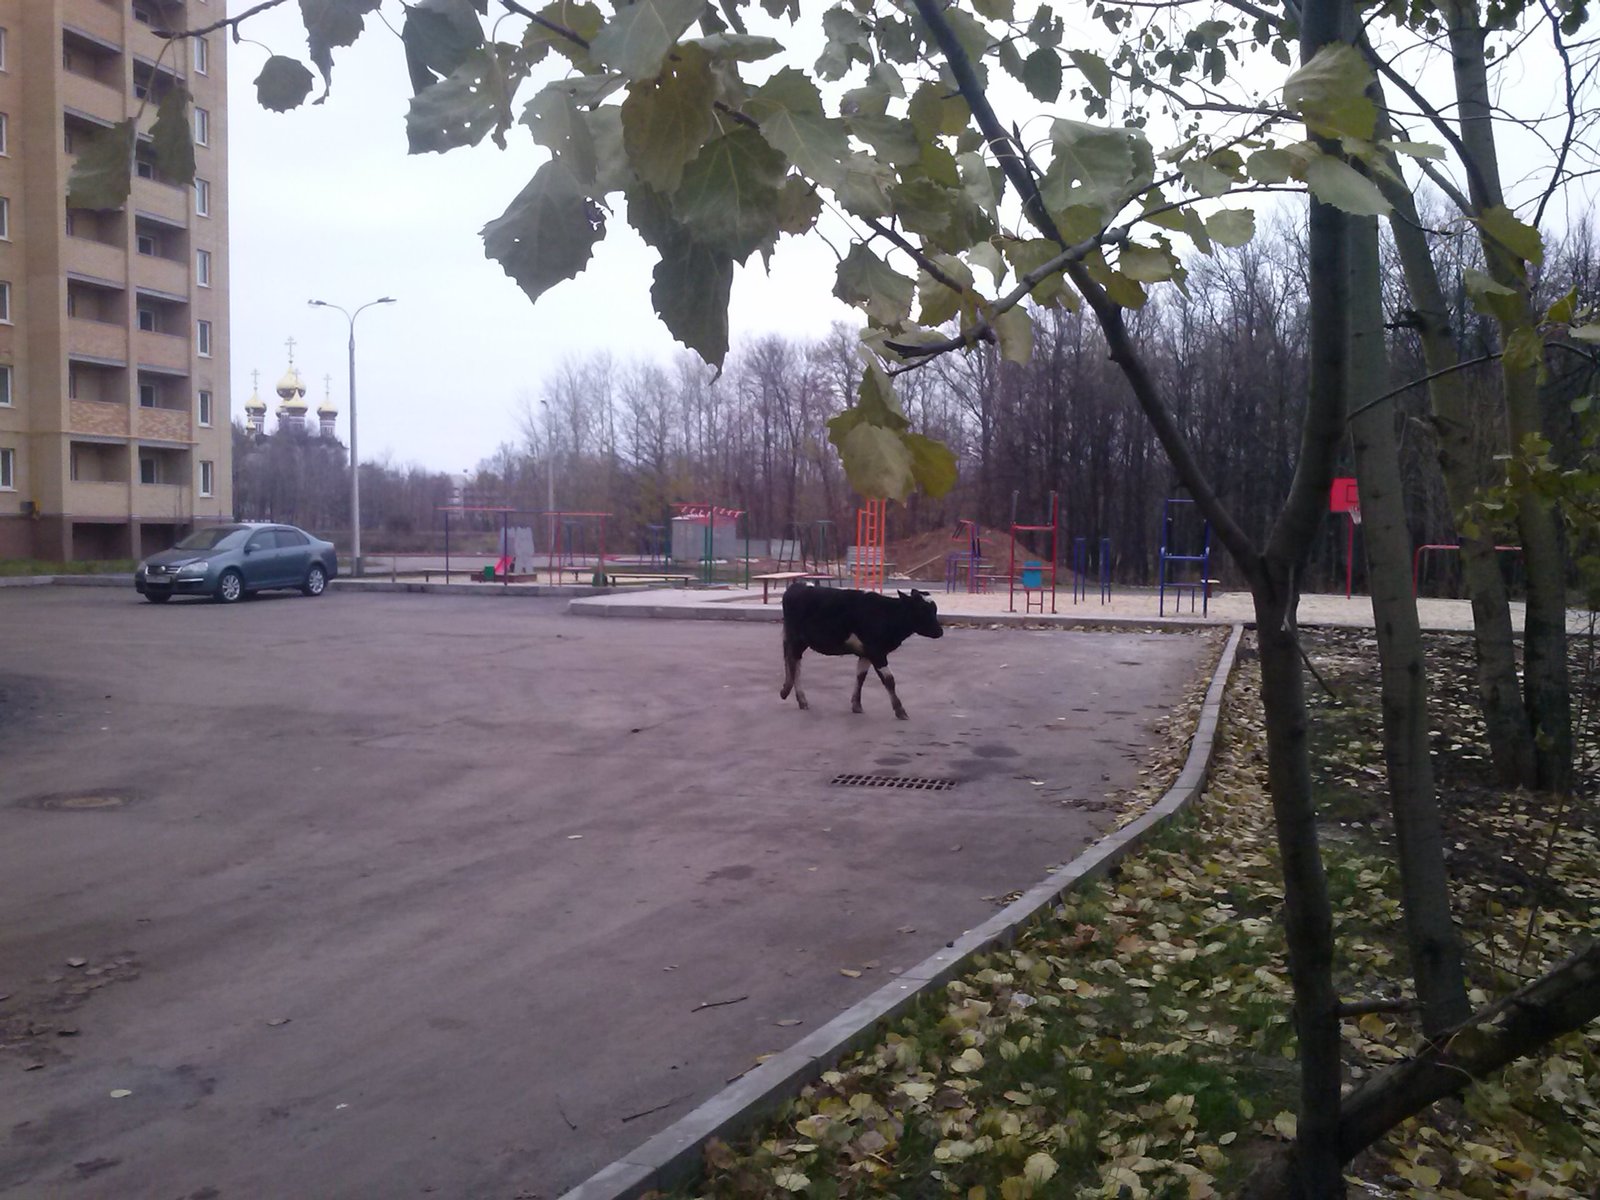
[791, 673]
[861, 678]
[887, 676]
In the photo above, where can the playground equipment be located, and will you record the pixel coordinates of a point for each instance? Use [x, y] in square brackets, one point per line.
[1080, 569]
[969, 561]
[653, 547]
[1344, 497]
[1172, 510]
[868, 552]
[1432, 548]
[812, 549]
[517, 557]
[1033, 573]
[709, 534]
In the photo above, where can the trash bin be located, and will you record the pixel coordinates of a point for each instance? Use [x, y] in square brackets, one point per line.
[1032, 575]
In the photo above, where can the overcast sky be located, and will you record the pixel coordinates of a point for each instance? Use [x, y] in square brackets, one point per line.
[327, 204]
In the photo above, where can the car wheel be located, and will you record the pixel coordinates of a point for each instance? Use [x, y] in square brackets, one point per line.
[316, 580]
[158, 599]
[230, 588]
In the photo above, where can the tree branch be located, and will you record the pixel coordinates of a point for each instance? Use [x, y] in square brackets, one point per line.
[224, 23]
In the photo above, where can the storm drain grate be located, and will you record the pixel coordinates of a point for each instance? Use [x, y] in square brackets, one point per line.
[894, 781]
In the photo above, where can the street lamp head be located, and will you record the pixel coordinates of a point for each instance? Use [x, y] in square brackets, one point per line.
[384, 300]
[318, 303]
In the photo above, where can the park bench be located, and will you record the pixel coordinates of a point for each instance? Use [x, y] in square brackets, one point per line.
[772, 577]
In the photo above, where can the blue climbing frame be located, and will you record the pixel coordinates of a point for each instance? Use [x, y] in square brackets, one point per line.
[1171, 517]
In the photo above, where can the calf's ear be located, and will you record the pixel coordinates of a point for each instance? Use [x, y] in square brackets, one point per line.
[899, 593]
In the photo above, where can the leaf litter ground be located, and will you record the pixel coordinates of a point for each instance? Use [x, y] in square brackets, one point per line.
[1138, 1042]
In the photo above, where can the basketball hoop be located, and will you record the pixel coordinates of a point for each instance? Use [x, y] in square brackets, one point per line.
[1355, 515]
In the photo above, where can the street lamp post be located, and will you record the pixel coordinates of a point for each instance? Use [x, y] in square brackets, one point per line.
[355, 462]
[549, 477]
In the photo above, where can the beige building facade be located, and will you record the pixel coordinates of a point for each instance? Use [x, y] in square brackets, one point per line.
[114, 408]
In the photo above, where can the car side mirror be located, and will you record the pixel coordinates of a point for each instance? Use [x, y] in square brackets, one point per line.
[250, 548]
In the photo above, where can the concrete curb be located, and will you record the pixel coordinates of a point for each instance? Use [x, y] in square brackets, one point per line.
[501, 591]
[124, 580]
[673, 1155]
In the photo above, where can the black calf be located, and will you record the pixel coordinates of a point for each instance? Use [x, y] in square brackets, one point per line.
[843, 621]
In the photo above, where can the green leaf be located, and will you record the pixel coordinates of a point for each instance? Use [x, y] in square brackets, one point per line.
[936, 113]
[548, 232]
[461, 109]
[1146, 264]
[558, 124]
[1205, 178]
[729, 195]
[1416, 149]
[1042, 75]
[1270, 165]
[665, 120]
[1339, 184]
[893, 140]
[284, 83]
[577, 16]
[1013, 329]
[864, 190]
[877, 462]
[1124, 291]
[1231, 226]
[1521, 240]
[1493, 298]
[437, 35]
[867, 282]
[1026, 256]
[876, 399]
[172, 137]
[1096, 168]
[788, 108]
[101, 174]
[995, 10]
[1329, 93]
[329, 25]
[1561, 311]
[933, 464]
[799, 206]
[1094, 70]
[690, 293]
[638, 38]
[737, 47]
[1524, 349]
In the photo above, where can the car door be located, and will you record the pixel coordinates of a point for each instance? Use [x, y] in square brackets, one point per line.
[259, 561]
[294, 556]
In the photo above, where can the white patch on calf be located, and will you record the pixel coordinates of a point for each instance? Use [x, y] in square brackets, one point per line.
[853, 644]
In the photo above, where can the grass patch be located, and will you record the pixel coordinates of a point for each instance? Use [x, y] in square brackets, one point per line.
[39, 566]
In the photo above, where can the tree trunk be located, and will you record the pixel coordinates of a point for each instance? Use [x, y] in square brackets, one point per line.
[1506, 725]
[1546, 693]
[1558, 1002]
[1431, 934]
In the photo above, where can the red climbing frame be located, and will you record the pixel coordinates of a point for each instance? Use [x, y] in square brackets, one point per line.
[1034, 575]
[871, 523]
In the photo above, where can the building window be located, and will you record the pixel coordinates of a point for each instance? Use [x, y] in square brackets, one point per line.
[72, 304]
[4, 65]
[147, 320]
[202, 198]
[72, 223]
[144, 168]
[202, 127]
[5, 387]
[67, 143]
[72, 465]
[5, 303]
[145, 243]
[205, 409]
[141, 14]
[8, 470]
[5, 140]
[72, 381]
[202, 267]
[147, 470]
[147, 395]
[202, 338]
[207, 477]
[202, 57]
[5, 218]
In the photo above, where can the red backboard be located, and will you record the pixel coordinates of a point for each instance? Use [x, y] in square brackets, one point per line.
[1343, 497]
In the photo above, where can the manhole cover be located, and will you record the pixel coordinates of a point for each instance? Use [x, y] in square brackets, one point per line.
[894, 781]
[76, 801]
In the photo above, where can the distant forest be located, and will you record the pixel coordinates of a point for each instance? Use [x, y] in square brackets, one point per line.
[630, 437]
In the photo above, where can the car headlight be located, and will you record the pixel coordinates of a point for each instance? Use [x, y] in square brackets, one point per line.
[192, 569]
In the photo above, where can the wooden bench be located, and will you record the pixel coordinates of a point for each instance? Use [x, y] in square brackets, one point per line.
[646, 579]
[772, 577]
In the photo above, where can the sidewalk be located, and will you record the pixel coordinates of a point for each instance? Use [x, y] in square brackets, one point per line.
[1127, 607]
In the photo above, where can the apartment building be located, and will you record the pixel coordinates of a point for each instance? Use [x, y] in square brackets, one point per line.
[114, 411]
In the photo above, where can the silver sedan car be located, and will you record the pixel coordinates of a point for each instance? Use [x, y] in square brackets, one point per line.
[229, 562]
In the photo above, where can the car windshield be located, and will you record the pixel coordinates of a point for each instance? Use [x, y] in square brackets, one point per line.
[209, 539]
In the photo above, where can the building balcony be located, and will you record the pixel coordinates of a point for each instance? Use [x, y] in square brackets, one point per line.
[162, 502]
[169, 201]
[163, 351]
[162, 425]
[83, 256]
[97, 339]
[91, 97]
[101, 419]
[100, 21]
[98, 499]
[161, 274]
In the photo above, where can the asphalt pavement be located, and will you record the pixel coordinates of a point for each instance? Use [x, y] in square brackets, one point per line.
[383, 895]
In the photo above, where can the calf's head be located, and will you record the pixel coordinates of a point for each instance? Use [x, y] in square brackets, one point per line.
[923, 613]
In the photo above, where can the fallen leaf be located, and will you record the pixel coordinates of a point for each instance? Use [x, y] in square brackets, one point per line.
[850, 971]
[278, 1021]
[119, 1093]
[77, 962]
[786, 1022]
